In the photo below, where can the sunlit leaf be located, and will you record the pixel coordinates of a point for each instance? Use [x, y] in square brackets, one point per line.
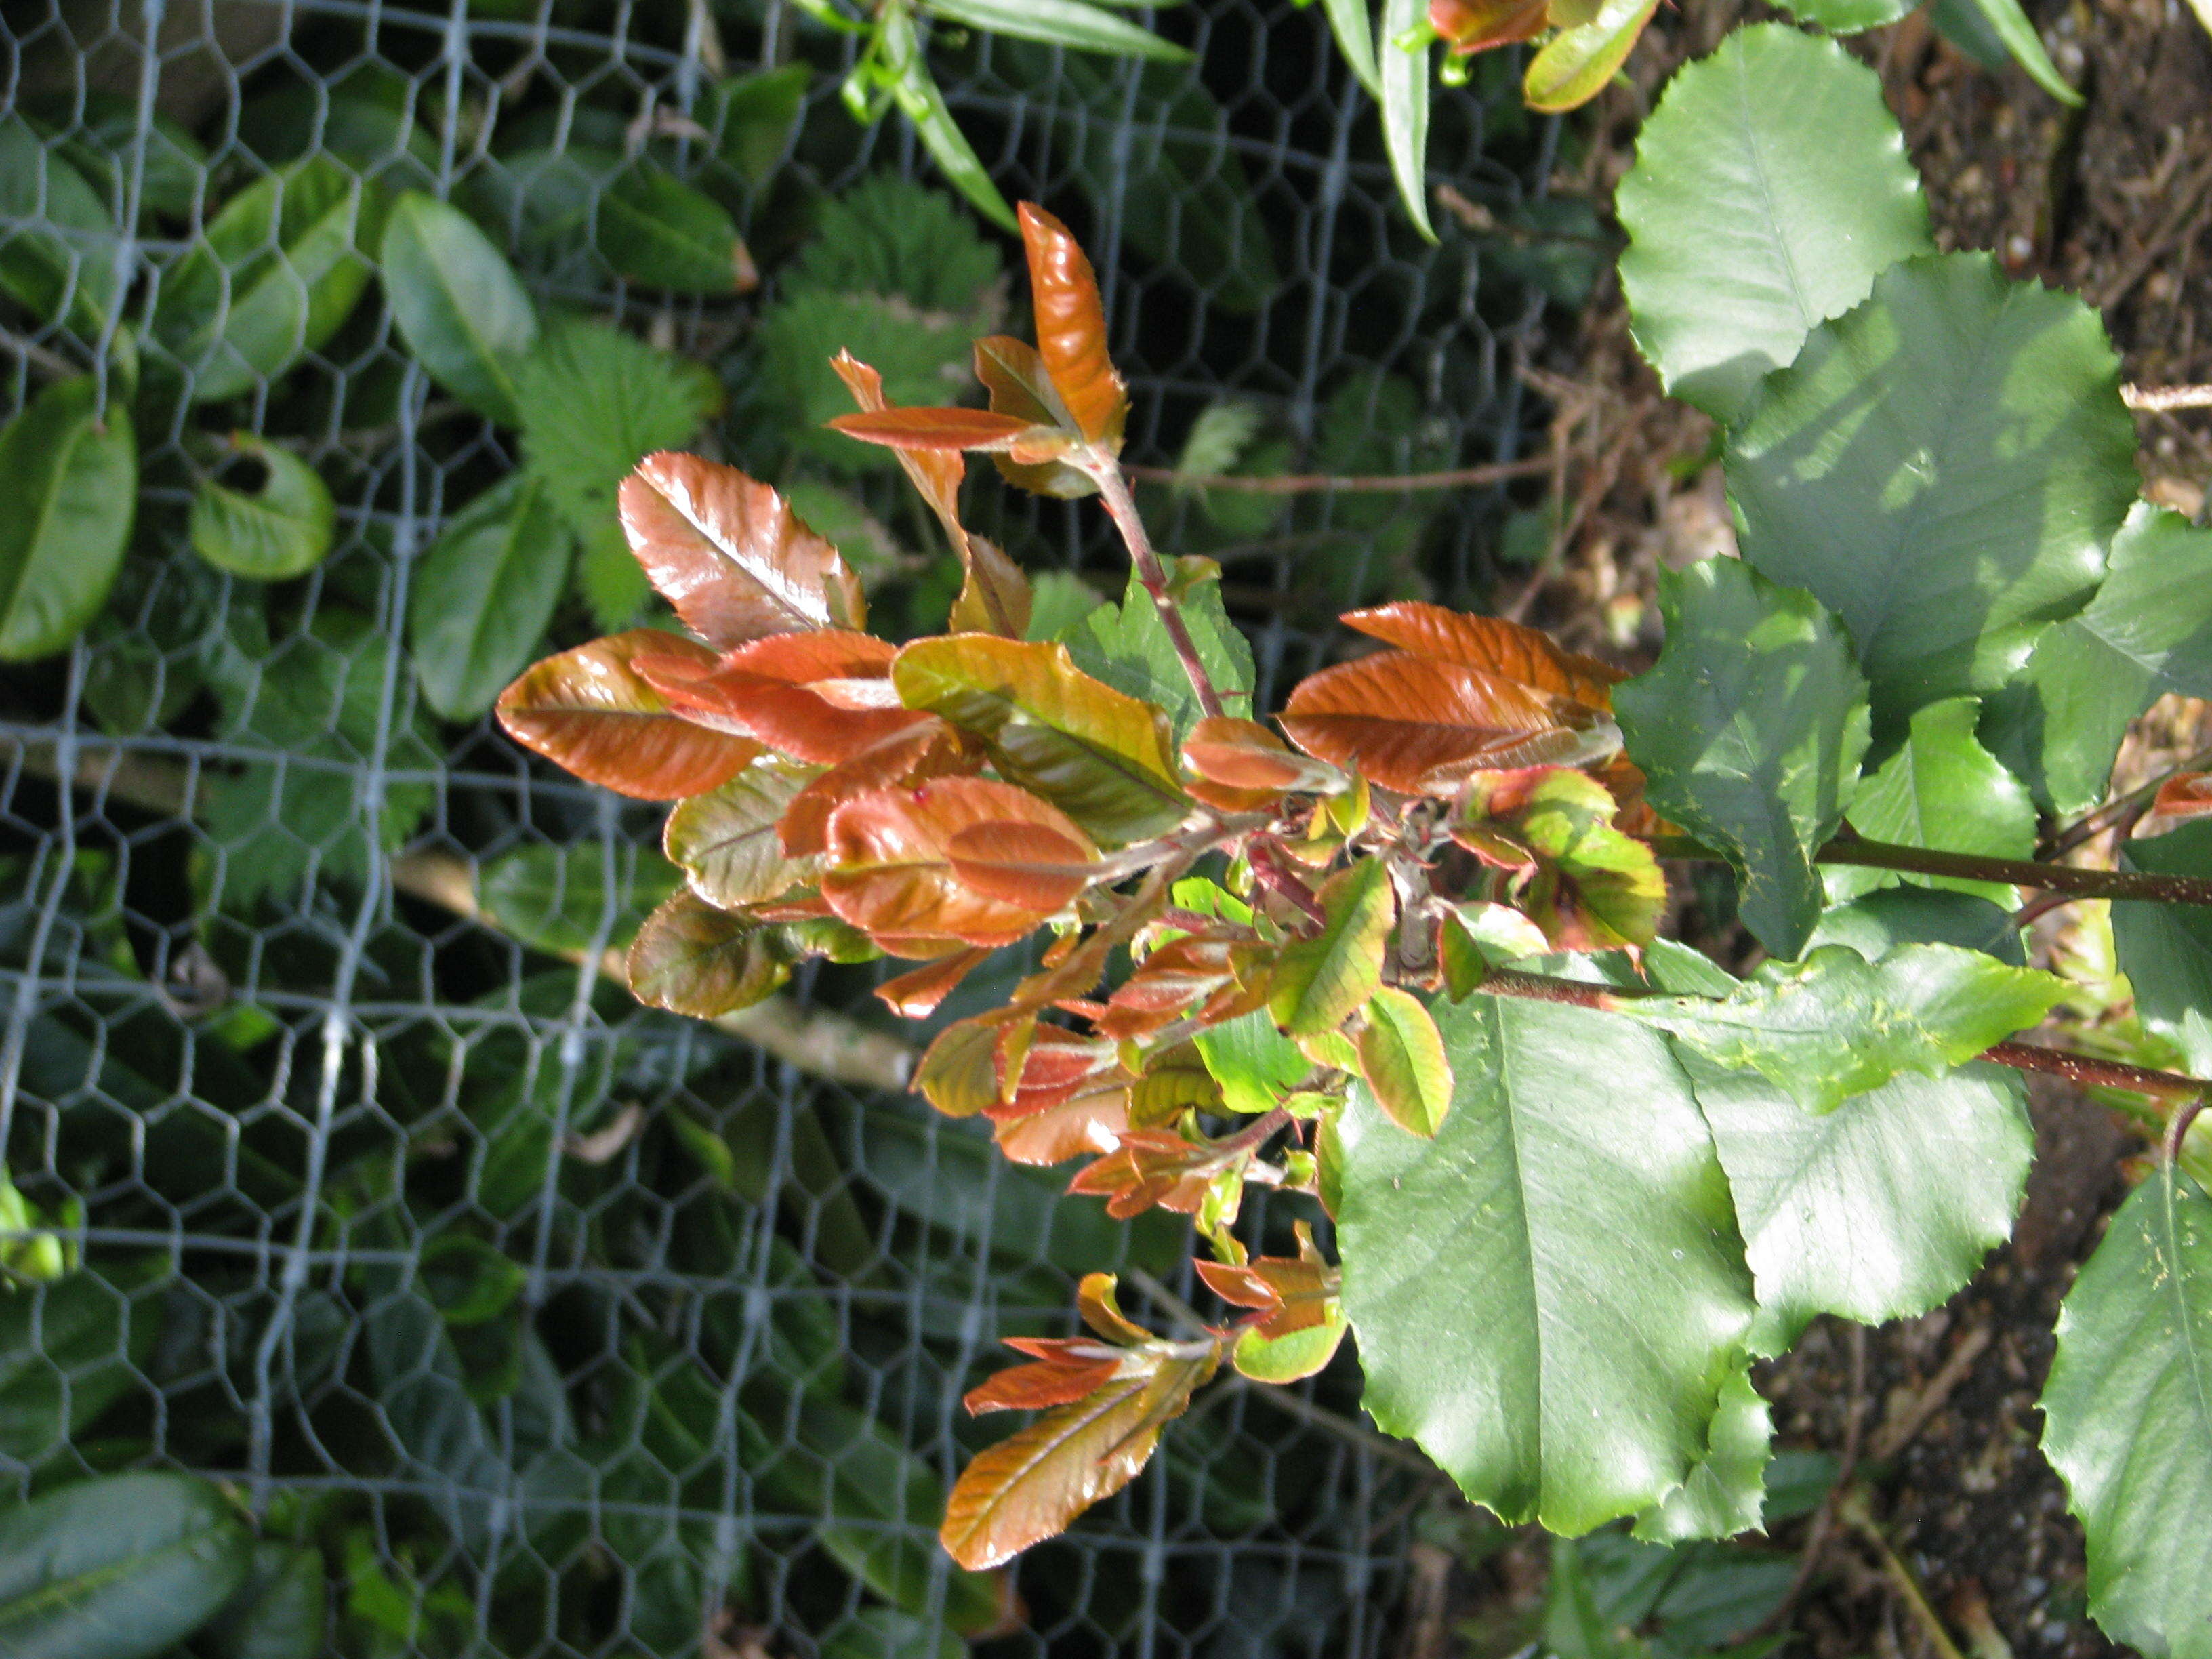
[1354, 30]
[691, 958]
[2011, 25]
[1574, 65]
[1071, 325]
[945, 430]
[590, 711]
[1102, 757]
[911, 755]
[730, 554]
[1473, 25]
[916, 994]
[1402, 1059]
[1061, 1369]
[1025, 864]
[1302, 1320]
[1726, 1492]
[1127, 644]
[726, 839]
[278, 530]
[822, 696]
[1241, 753]
[1059, 23]
[1319, 982]
[1942, 789]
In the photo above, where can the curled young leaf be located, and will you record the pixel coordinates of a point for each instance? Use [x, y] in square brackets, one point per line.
[1083, 1125]
[1302, 1320]
[939, 430]
[960, 1071]
[591, 711]
[2184, 796]
[730, 554]
[1071, 326]
[1472, 26]
[1014, 374]
[890, 868]
[1243, 756]
[1157, 1169]
[692, 958]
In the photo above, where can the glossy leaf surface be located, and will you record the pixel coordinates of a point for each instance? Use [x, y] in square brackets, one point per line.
[1750, 731]
[726, 842]
[68, 483]
[1403, 69]
[1742, 235]
[1060, 23]
[1573, 66]
[1102, 757]
[460, 306]
[2128, 1422]
[280, 529]
[691, 958]
[731, 555]
[1319, 981]
[590, 711]
[1549, 1296]
[1070, 324]
[1951, 532]
[1126, 646]
[484, 594]
[1726, 1492]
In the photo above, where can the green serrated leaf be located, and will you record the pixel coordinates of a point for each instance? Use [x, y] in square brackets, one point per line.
[1549, 1296]
[2127, 1419]
[281, 530]
[1750, 731]
[1126, 646]
[1836, 1025]
[1943, 468]
[1401, 1058]
[1942, 790]
[1319, 982]
[457, 303]
[2148, 631]
[1403, 71]
[1726, 1493]
[68, 486]
[483, 596]
[271, 278]
[1255, 1064]
[120, 1568]
[1742, 235]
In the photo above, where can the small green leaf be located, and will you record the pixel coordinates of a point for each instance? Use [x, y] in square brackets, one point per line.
[1742, 235]
[2148, 631]
[2127, 1421]
[915, 90]
[68, 486]
[483, 595]
[1404, 72]
[1848, 16]
[754, 116]
[1942, 790]
[691, 958]
[1255, 1064]
[1943, 467]
[67, 1351]
[1402, 1059]
[281, 530]
[460, 308]
[57, 251]
[656, 230]
[1126, 646]
[572, 899]
[2010, 24]
[271, 278]
[1319, 982]
[120, 1568]
[1549, 1296]
[1573, 66]
[1750, 731]
[1836, 1025]
[1059, 23]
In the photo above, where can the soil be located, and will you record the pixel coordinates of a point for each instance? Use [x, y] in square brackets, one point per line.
[2112, 202]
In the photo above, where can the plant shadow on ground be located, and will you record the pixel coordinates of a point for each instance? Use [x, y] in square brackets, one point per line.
[2113, 203]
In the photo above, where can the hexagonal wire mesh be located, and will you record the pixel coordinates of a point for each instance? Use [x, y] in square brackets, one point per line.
[556, 1326]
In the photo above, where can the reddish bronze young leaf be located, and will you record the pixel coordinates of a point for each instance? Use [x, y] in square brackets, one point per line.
[1153, 1168]
[726, 840]
[1070, 327]
[1472, 26]
[1056, 1064]
[995, 597]
[1301, 1321]
[1063, 1369]
[890, 864]
[1493, 645]
[1172, 981]
[1028, 1488]
[2184, 796]
[1023, 864]
[820, 698]
[731, 555]
[691, 958]
[941, 429]
[1014, 375]
[1082, 1124]
[916, 994]
[1244, 755]
[592, 712]
[1420, 726]
[908, 755]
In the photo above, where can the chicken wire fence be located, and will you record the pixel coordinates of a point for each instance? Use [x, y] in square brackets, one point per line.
[530, 1321]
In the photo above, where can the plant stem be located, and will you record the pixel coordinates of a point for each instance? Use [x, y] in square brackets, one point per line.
[1970, 866]
[2159, 398]
[1113, 491]
[2083, 1069]
[2071, 837]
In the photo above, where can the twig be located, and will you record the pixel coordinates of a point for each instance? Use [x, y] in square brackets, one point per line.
[1314, 484]
[1900, 1578]
[818, 1042]
[1113, 491]
[1896, 1437]
[2157, 399]
[1171, 1304]
[1848, 848]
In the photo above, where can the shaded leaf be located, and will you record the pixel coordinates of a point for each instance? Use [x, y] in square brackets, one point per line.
[1749, 731]
[57, 254]
[1102, 757]
[730, 554]
[1741, 236]
[1401, 1057]
[1726, 1493]
[590, 711]
[279, 1613]
[484, 595]
[1402, 48]
[691, 958]
[725, 839]
[1319, 982]
[571, 899]
[2010, 24]
[2166, 949]
[1549, 1296]
[1951, 532]
[460, 306]
[279, 530]
[655, 229]
[1059, 23]
[2127, 1421]
[1473, 25]
[68, 483]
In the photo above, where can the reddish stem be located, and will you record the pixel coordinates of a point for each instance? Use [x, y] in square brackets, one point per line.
[1114, 492]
